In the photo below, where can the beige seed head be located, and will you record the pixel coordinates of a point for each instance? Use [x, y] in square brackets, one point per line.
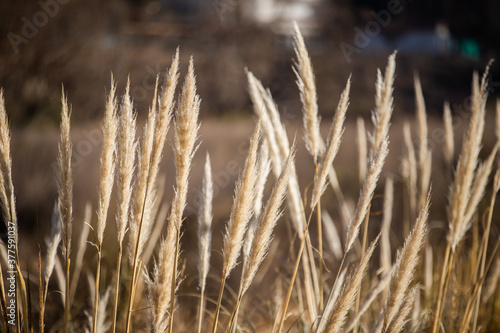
[350, 292]
[449, 142]
[384, 87]
[141, 206]
[406, 263]
[385, 242]
[65, 178]
[332, 146]
[242, 207]
[421, 120]
[205, 223]
[362, 151]
[366, 194]
[460, 191]
[307, 86]
[109, 129]
[268, 219]
[126, 151]
[6, 185]
[401, 317]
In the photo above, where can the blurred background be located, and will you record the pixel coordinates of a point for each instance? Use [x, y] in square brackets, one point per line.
[78, 43]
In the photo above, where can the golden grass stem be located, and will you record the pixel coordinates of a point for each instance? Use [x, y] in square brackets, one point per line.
[134, 268]
[174, 283]
[66, 307]
[363, 249]
[476, 293]
[320, 254]
[96, 294]
[294, 275]
[233, 320]
[442, 286]
[219, 301]
[40, 294]
[117, 287]
[201, 308]
[486, 237]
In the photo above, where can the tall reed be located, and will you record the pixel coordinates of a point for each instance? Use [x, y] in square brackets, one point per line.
[66, 196]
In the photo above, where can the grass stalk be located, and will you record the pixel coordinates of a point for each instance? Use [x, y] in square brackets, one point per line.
[447, 264]
[476, 293]
[320, 254]
[96, 294]
[117, 288]
[66, 307]
[219, 301]
[174, 283]
[201, 308]
[134, 269]
[41, 324]
[294, 275]
[363, 250]
[486, 237]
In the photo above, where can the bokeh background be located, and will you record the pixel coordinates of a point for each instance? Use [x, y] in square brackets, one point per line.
[78, 43]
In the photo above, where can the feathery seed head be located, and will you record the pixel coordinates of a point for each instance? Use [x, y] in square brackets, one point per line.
[332, 146]
[366, 194]
[307, 86]
[263, 233]
[109, 129]
[381, 116]
[460, 191]
[65, 177]
[242, 206]
[54, 240]
[126, 152]
[448, 134]
[205, 223]
[406, 263]
[350, 292]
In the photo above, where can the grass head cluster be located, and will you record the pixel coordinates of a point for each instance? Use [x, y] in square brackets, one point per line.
[340, 274]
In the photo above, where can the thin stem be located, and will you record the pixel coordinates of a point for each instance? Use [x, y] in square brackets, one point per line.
[231, 326]
[96, 295]
[172, 287]
[339, 270]
[294, 275]
[217, 309]
[132, 292]
[201, 308]
[66, 308]
[483, 258]
[134, 266]
[40, 293]
[363, 249]
[117, 287]
[442, 287]
[476, 293]
[320, 257]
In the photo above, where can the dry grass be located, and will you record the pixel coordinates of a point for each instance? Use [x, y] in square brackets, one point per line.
[316, 288]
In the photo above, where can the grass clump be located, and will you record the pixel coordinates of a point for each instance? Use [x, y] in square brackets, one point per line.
[340, 287]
